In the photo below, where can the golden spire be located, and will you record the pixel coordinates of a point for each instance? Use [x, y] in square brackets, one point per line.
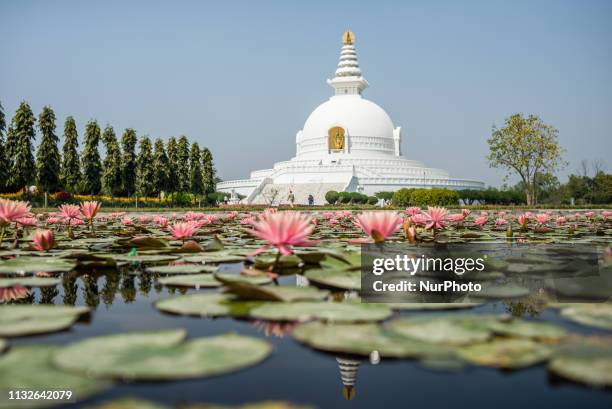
[348, 38]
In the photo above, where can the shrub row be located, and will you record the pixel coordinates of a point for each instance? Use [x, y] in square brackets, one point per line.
[425, 197]
[334, 197]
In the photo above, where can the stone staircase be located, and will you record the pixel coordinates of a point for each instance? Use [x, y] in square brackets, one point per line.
[276, 194]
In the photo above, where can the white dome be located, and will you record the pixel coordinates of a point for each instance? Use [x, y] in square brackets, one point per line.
[357, 115]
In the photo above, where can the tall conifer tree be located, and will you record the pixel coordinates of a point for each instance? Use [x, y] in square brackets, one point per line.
[195, 170]
[208, 171]
[173, 161]
[161, 168]
[23, 172]
[70, 174]
[4, 171]
[128, 162]
[144, 168]
[111, 174]
[90, 160]
[48, 159]
[182, 169]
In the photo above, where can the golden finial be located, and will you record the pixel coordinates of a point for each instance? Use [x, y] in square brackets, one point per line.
[348, 37]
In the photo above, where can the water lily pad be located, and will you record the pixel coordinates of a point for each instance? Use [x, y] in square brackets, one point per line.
[427, 306]
[501, 291]
[509, 353]
[144, 258]
[3, 344]
[207, 305]
[265, 262]
[585, 360]
[362, 339]
[161, 355]
[526, 329]
[444, 329]
[191, 280]
[340, 312]
[224, 256]
[234, 278]
[594, 315]
[129, 403]
[30, 367]
[182, 269]
[29, 282]
[283, 293]
[19, 320]
[30, 265]
[343, 279]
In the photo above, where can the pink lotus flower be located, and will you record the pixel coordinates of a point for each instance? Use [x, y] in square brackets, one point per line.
[11, 210]
[379, 225]
[13, 293]
[127, 221]
[232, 215]
[481, 220]
[333, 222]
[606, 215]
[52, 220]
[161, 221]
[501, 222]
[542, 218]
[465, 212]
[327, 215]
[43, 240]
[183, 231]
[315, 221]
[69, 212]
[27, 221]
[523, 219]
[561, 220]
[501, 214]
[456, 217]
[589, 215]
[436, 218]
[412, 211]
[283, 230]
[78, 222]
[90, 209]
[143, 219]
[420, 219]
[485, 214]
[247, 220]
[529, 215]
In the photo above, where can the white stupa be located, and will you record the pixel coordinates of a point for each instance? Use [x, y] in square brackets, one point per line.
[348, 143]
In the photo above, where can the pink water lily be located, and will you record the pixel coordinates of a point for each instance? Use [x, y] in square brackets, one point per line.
[90, 209]
[379, 225]
[523, 220]
[561, 220]
[27, 221]
[412, 211]
[501, 221]
[542, 218]
[436, 218]
[283, 230]
[43, 240]
[184, 230]
[11, 210]
[419, 219]
[456, 217]
[481, 220]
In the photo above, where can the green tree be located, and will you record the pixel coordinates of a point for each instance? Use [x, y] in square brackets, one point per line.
[111, 174]
[23, 172]
[602, 192]
[208, 171]
[161, 168]
[90, 160]
[128, 162]
[70, 174]
[144, 168]
[195, 170]
[48, 159]
[182, 169]
[3, 158]
[527, 147]
[173, 160]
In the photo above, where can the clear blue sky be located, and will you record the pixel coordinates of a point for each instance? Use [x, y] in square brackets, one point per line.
[242, 76]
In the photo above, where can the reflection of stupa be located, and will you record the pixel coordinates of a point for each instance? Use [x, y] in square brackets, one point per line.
[348, 143]
[348, 374]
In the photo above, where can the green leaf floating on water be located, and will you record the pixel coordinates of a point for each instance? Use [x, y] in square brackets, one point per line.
[585, 360]
[161, 355]
[241, 278]
[191, 280]
[527, 329]
[340, 312]
[594, 315]
[18, 320]
[343, 279]
[207, 305]
[137, 403]
[224, 256]
[265, 261]
[3, 344]
[283, 293]
[30, 367]
[182, 269]
[143, 258]
[29, 282]
[362, 339]
[31, 265]
[508, 353]
[444, 329]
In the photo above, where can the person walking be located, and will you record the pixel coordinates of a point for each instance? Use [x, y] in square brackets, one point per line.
[291, 198]
[310, 200]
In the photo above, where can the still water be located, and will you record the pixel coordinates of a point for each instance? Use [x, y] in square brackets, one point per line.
[297, 373]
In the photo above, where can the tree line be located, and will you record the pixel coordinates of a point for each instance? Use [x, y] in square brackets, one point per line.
[131, 165]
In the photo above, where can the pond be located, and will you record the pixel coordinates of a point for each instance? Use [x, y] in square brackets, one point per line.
[327, 359]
